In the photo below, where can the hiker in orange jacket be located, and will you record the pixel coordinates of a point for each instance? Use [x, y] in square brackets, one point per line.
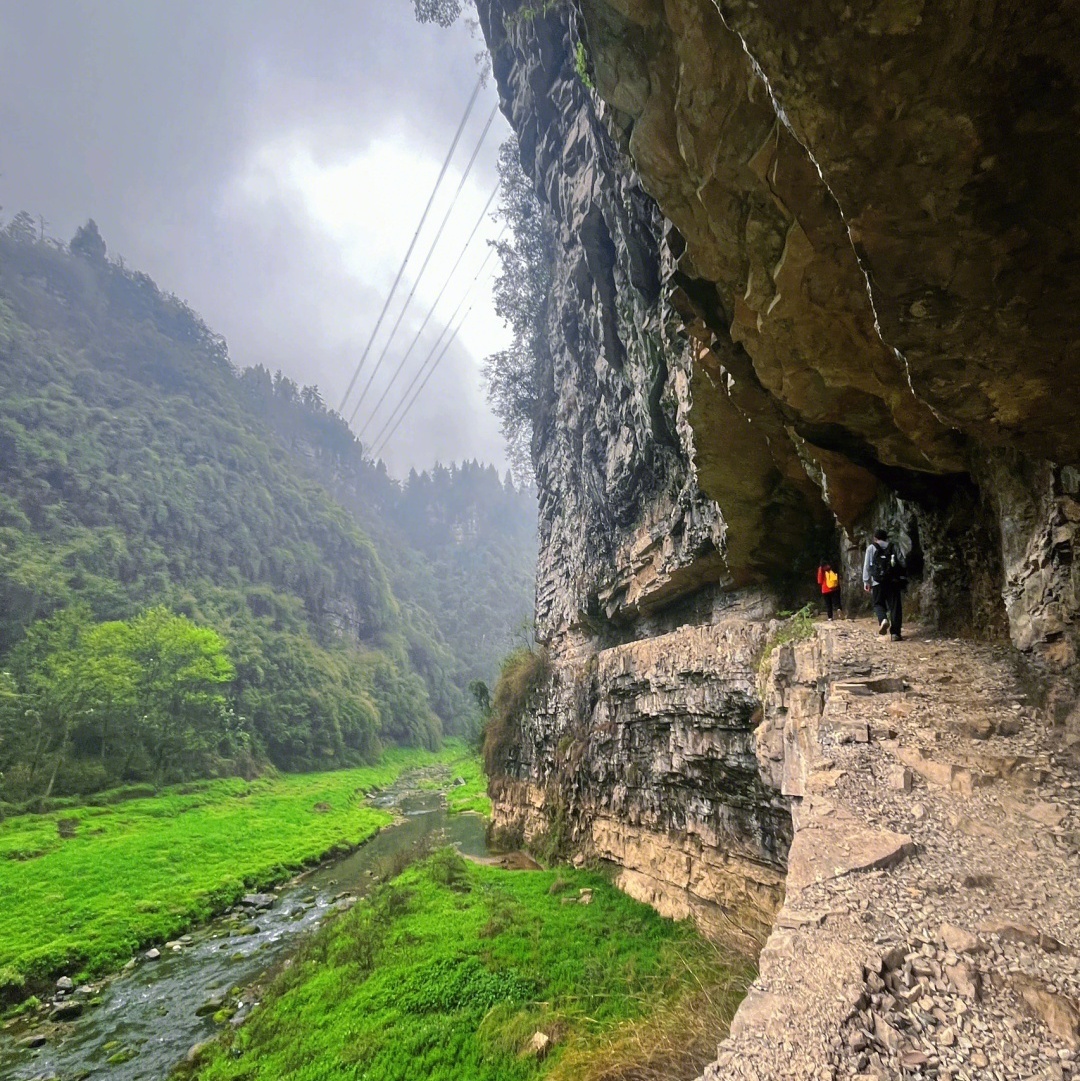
[829, 581]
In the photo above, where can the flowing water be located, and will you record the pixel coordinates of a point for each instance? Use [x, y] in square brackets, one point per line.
[147, 1019]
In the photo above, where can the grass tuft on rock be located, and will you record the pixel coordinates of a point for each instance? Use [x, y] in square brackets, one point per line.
[521, 676]
[796, 627]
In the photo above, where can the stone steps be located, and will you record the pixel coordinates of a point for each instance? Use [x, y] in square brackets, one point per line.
[931, 927]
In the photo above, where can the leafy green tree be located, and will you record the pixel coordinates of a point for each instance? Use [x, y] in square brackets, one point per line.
[481, 695]
[180, 672]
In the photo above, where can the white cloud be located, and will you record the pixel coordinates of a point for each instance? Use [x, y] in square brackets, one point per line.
[367, 207]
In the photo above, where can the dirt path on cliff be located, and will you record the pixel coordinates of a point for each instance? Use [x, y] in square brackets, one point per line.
[932, 921]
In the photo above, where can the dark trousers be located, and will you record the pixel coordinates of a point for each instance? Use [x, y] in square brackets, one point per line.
[888, 604]
[832, 600]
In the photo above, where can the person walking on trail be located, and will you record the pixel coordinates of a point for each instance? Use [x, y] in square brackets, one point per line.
[884, 578]
[829, 581]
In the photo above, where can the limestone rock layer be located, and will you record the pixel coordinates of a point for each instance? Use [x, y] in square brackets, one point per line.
[815, 272]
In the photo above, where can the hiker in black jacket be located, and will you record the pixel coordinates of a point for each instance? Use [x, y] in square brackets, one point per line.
[884, 577]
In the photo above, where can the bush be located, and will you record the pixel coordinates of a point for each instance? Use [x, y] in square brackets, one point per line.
[795, 628]
[521, 676]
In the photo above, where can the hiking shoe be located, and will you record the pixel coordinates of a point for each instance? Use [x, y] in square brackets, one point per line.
[897, 638]
[884, 628]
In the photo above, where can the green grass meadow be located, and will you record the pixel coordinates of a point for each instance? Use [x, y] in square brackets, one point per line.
[446, 973]
[472, 796]
[85, 887]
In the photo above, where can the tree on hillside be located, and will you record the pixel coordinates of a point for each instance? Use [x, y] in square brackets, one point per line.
[88, 242]
[145, 687]
[181, 670]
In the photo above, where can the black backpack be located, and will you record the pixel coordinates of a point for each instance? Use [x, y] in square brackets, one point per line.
[887, 566]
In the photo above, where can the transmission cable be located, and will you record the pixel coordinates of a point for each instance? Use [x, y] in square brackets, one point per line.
[431, 311]
[412, 243]
[431, 371]
[438, 341]
[423, 266]
[382, 440]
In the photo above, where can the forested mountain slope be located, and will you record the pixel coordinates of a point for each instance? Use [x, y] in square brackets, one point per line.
[137, 472]
[458, 542]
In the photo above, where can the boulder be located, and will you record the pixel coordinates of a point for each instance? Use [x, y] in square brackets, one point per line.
[211, 1005]
[964, 979]
[960, 941]
[196, 1050]
[67, 1010]
[1059, 1013]
[539, 1045]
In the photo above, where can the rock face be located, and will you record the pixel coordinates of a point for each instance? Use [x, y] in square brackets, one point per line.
[644, 756]
[803, 288]
[814, 273]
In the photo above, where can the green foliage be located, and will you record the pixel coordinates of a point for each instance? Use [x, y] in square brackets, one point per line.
[523, 673]
[581, 65]
[796, 627]
[481, 695]
[529, 13]
[458, 543]
[446, 972]
[143, 694]
[135, 474]
[143, 870]
[515, 375]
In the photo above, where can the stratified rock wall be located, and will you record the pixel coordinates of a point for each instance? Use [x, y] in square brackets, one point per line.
[814, 274]
[643, 755]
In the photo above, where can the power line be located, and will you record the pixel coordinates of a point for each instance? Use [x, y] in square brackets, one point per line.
[431, 370]
[382, 440]
[412, 243]
[424, 265]
[438, 341]
[431, 311]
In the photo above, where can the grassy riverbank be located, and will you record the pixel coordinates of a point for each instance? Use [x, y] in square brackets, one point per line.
[85, 887]
[447, 972]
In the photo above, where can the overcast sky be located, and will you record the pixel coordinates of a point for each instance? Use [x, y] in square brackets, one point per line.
[268, 161]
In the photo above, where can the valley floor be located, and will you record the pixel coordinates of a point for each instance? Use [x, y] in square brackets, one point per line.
[456, 971]
[932, 920]
[86, 887]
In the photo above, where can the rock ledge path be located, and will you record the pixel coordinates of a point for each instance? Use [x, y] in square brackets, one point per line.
[931, 927]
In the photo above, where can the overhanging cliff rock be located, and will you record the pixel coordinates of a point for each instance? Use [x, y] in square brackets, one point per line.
[815, 272]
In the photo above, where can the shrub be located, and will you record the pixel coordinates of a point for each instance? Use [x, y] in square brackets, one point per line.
[581, 65]
[796, 628]
[521, 676]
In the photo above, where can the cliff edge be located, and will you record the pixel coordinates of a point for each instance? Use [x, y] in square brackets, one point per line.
[813, 273]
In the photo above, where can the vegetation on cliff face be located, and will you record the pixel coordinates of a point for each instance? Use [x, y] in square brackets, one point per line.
[522, 675]
[137, 473]
[449, 970]
[522, 293]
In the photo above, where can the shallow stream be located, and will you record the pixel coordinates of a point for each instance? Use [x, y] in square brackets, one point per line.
[146, 1019]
